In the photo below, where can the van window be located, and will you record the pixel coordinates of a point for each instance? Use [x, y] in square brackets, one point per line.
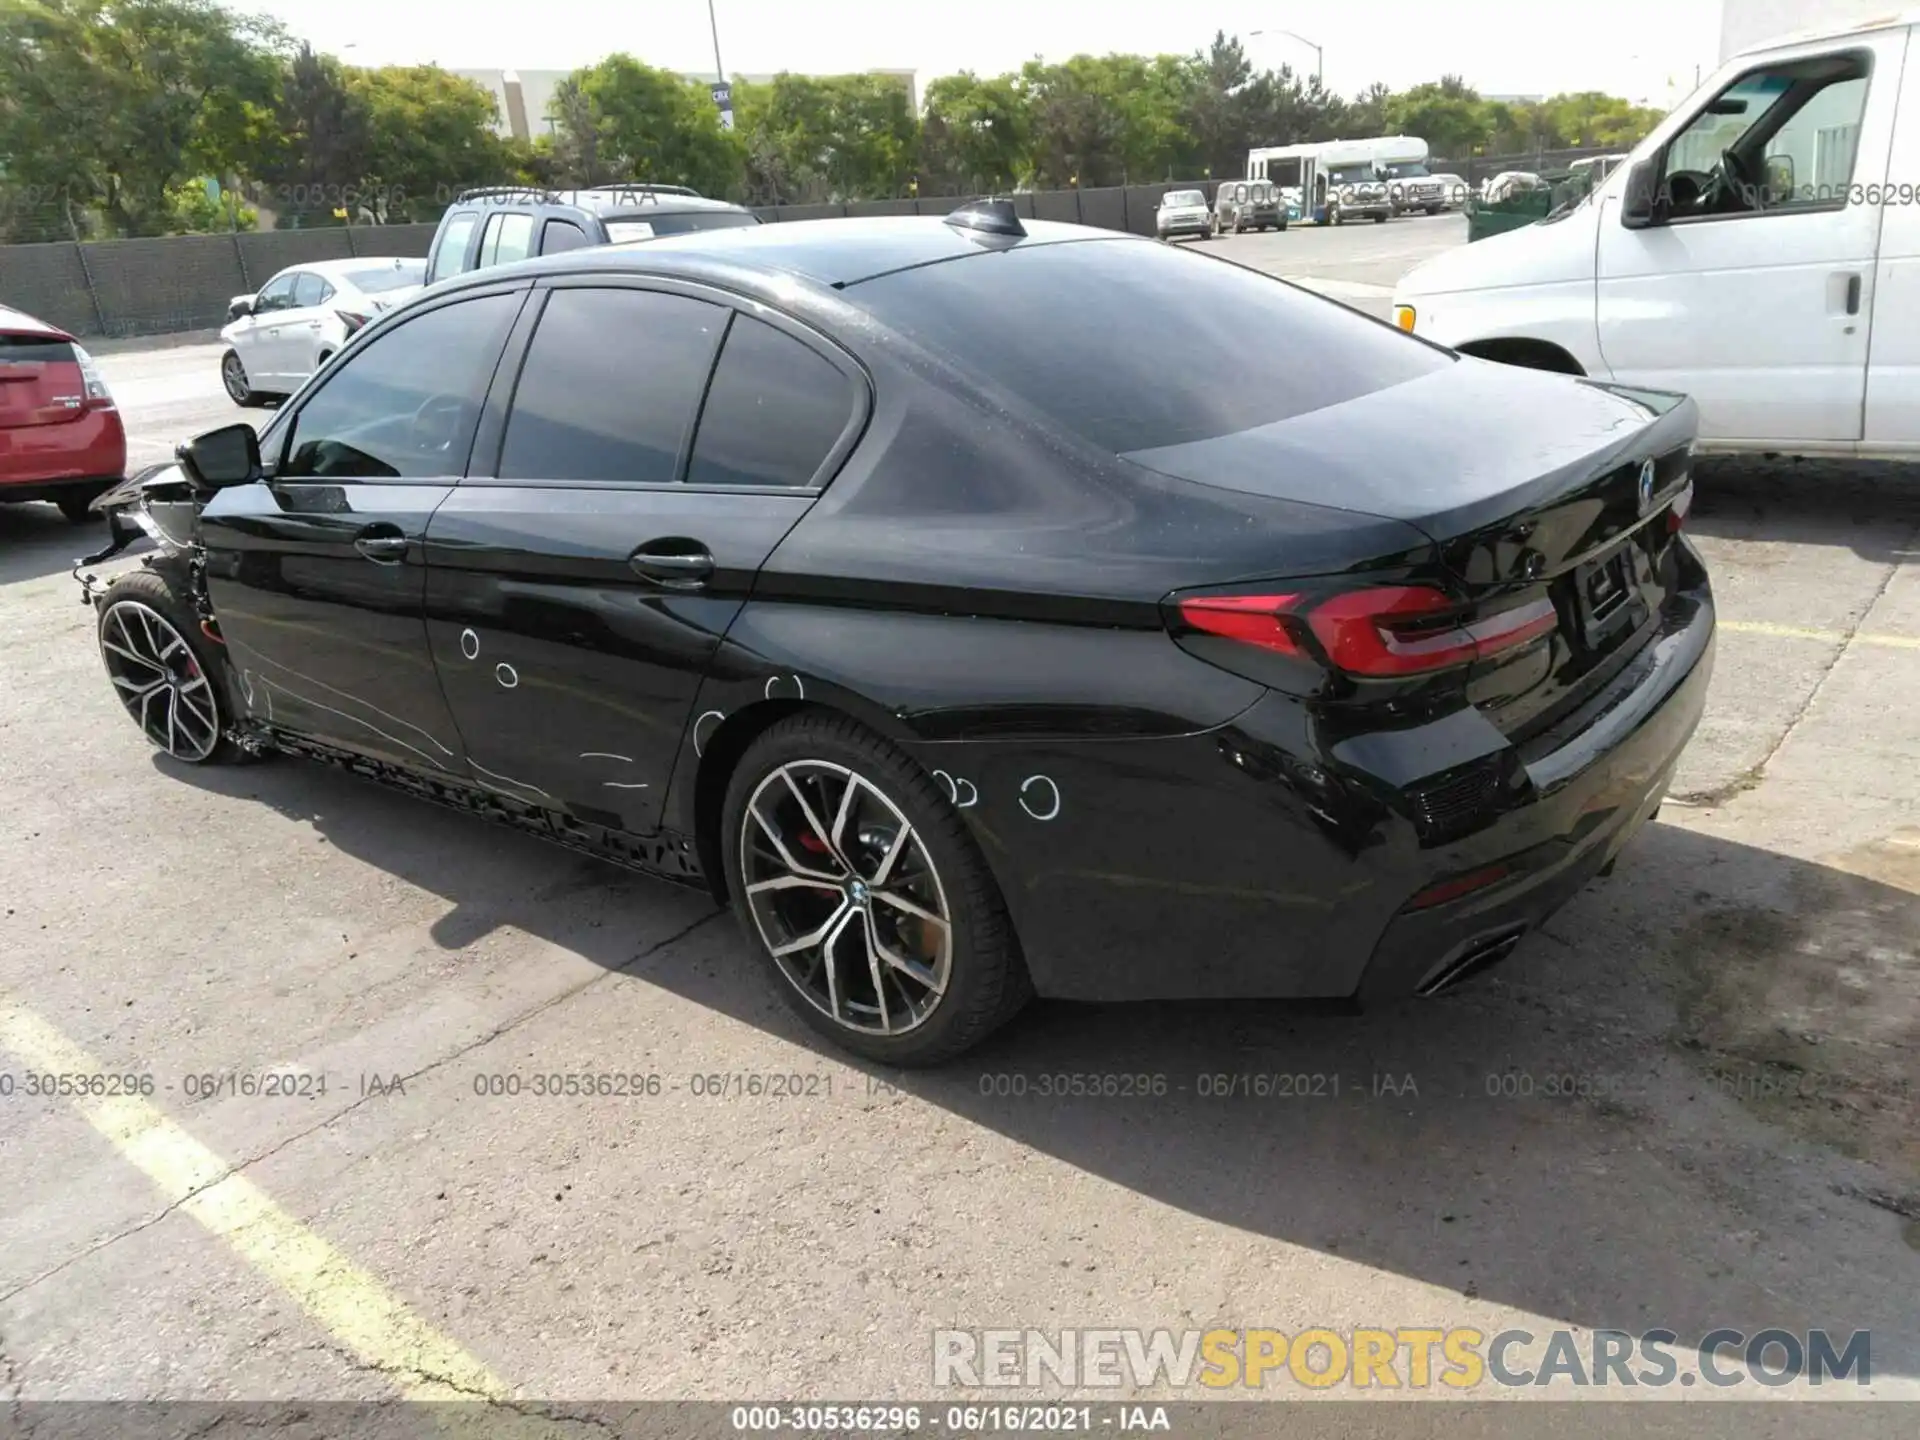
[1780, 137]
[450, 255]
[508, 237]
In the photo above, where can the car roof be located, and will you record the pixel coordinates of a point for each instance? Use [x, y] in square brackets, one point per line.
[18, 322]
[335, 269]
[835, 253]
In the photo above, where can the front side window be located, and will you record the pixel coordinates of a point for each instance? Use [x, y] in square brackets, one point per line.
[404, 406]
[276, 295]
[773, 412]
[1783, 137]
[450, 255]
[610, 388]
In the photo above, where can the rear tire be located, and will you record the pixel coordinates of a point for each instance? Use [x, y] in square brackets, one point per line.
[1379, 219]
[912, 898]
[176, 684]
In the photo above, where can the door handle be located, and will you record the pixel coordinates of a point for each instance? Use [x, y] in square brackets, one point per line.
[384, 545]
[1853, 294]
[673, 564]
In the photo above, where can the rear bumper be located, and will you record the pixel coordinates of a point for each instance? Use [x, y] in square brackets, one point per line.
[49, 458]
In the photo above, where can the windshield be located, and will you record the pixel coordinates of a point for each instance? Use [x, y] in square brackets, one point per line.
[1185, 197]
[1406, 170]
[1361, 174]
[388, 277]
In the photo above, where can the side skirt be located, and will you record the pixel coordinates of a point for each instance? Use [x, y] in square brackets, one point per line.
[665, 856]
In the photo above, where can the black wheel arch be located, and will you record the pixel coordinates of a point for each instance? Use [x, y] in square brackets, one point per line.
[1524, 351]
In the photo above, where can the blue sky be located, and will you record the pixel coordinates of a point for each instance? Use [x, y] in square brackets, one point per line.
[1638, 48]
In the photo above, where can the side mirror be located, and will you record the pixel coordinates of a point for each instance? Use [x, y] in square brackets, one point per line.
[1640, 208]
[227, 456]
[1779, 178]
[240, 307]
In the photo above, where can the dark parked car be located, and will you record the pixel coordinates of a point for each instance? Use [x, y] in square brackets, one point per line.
[955, 600]
[60, 433]
[484, 228]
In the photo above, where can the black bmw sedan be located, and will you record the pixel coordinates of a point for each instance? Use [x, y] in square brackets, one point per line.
[964, 602]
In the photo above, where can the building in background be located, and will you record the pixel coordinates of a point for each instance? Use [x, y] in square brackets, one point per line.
[1746, 23]
[523, 96]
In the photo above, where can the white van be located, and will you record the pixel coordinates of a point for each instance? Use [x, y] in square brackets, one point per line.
[1760, 250]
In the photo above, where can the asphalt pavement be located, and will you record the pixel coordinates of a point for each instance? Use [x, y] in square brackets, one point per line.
[1689, 1103]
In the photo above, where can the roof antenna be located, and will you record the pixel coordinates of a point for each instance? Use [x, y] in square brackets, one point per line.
[992, 217]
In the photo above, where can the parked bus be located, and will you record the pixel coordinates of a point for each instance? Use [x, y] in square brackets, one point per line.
[1333, 181]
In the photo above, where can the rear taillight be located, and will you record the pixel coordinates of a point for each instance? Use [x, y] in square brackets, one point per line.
[1381, 632]
[98, 397]
[352, 320]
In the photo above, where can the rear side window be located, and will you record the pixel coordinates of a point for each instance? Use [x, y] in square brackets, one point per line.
[507, 238]
[773, 412]
[1134, 345]
[610, 388]
[558, 235]
[450, 255]
[310, 289]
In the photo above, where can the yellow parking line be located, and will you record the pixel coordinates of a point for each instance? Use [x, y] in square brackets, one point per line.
[360, 1313]
[1830, 637]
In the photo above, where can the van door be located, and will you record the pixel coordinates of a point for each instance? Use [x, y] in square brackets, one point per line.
[1893, 357]
[1752, 289]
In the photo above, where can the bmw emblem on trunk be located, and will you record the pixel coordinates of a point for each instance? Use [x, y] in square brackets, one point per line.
[1646, 486]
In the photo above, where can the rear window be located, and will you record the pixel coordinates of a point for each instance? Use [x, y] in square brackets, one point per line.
[387, 277]
[645, 227]
[33, 350]
[1135, 345]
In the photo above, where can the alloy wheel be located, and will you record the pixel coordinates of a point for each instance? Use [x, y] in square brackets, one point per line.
[844, 894]
[157, 678]
[234, 376]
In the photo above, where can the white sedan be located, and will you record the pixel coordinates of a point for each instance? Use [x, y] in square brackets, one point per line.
[299, 318]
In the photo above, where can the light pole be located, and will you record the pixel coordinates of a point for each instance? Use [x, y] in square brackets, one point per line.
[719, 74]
[1317, 57]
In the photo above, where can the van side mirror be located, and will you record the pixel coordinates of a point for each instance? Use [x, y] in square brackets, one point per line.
[1641, 209]
[227, 456]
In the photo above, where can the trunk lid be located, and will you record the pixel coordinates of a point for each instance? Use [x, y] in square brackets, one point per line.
[40, 380]
[1536, 489]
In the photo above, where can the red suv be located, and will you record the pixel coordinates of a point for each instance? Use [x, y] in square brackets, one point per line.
[60, 433]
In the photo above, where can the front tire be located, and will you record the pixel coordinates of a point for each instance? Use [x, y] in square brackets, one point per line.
[75, 503]
[169, 677]
[866, 895]
[233, 375]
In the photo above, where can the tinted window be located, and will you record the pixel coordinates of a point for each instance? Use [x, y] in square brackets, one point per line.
[404, 406]
[773, 412]
[310, 289]
[450, 255]
[558, 235]
[506, 238]
[1135, 345]
[610, 388]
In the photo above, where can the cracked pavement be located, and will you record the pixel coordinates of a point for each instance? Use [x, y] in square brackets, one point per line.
[1743, 995]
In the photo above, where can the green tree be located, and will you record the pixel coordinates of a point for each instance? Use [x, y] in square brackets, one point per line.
[1448, 114]
[837, 137]
[975, 136]
[621, 120]
[118, 102]
[320, 148]
[430, 135]
[1107, 119]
